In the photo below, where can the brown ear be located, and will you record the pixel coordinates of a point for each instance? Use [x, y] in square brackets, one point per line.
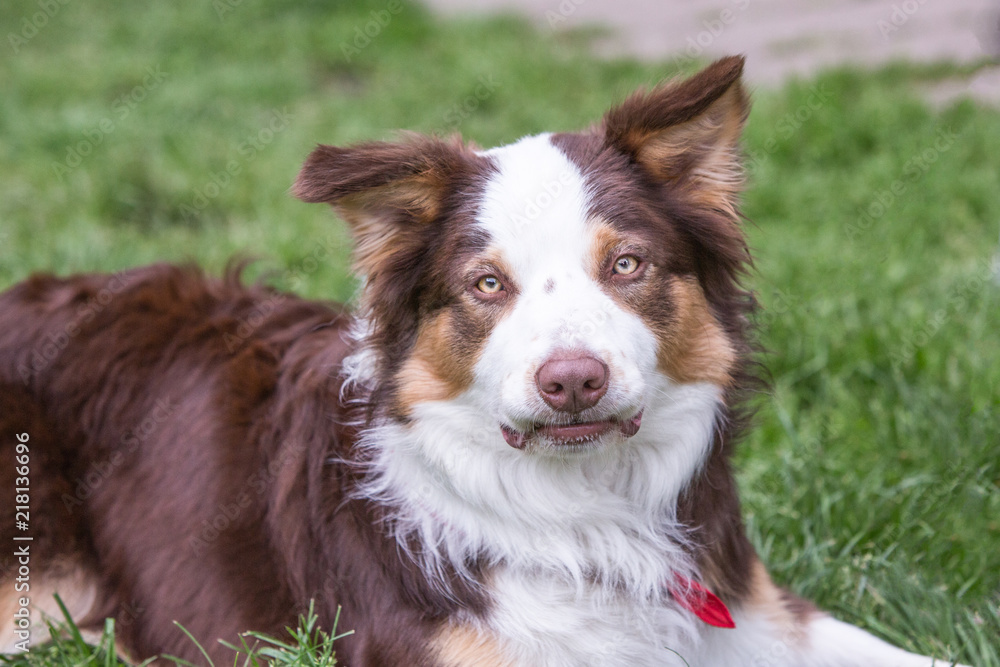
[387, 192]
[687, 133]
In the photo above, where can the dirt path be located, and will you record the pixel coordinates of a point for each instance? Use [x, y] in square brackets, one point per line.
[782, 38]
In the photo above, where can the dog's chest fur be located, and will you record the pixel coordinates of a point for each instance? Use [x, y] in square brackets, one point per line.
[579, 555]
[545, 620]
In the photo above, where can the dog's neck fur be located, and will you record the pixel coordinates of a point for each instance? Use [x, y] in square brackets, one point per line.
[459, 495]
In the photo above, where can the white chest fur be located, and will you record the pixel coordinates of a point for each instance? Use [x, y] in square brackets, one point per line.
[580, 548]
[543, 621]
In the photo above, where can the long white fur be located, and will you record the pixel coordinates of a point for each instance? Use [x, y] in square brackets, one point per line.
[581, 544]
[760, 640]
[590, 539]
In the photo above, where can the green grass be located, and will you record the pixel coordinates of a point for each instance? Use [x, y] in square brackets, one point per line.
[69, 648]
[308, 646]
[871, 481]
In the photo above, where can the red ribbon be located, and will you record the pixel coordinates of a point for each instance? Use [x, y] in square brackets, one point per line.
[701, 602]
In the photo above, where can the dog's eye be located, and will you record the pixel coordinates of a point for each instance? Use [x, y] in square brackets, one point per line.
[489, 285]
[625, 265]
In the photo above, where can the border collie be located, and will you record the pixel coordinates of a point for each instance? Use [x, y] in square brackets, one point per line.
[514, 453]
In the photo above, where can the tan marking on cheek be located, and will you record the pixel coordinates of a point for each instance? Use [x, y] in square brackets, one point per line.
[463, 646]
[437, 369]
[448, 345]
[696, 349]
[604, 239]
[693, 346]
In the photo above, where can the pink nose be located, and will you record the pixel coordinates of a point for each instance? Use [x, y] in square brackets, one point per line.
[571, 382]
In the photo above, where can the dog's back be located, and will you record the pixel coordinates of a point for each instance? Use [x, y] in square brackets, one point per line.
[140, 393]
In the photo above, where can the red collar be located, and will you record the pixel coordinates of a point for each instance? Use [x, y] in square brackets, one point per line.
[701, 602]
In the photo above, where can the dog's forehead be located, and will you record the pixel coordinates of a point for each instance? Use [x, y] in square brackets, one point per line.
[536, 210]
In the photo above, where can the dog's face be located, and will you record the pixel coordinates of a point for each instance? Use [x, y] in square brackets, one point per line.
[559, 283]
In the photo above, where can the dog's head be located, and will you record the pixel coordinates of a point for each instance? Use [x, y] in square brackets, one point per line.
[555, 285]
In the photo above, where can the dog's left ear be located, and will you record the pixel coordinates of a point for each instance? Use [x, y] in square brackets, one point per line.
[387, 192]
[404, 176]
[686, 134]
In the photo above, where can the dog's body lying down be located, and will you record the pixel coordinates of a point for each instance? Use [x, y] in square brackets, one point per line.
[514, 453]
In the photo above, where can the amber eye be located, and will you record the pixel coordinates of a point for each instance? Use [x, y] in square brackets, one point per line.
[489, 285]
[625, 265]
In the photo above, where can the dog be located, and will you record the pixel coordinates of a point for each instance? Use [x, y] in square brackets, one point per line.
[513, 452]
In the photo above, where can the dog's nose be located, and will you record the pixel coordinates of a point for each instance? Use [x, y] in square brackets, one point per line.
[572, 382]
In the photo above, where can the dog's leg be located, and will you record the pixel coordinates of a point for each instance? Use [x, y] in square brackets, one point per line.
[776, 629]
[829, 642]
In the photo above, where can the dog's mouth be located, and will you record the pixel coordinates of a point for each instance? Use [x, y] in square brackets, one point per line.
[573, 434]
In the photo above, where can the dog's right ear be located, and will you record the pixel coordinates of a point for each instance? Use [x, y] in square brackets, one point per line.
[387, 192]
[686, 133]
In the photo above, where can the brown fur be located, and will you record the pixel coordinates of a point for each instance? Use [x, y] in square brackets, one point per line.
[448, 343]
[248, 521]
[607, 241]
[699, 351]
[389, 194]
[693, 346]
[686, 133]
[205, 468]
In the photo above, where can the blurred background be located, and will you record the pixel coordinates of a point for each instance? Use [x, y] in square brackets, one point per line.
[139, 132]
